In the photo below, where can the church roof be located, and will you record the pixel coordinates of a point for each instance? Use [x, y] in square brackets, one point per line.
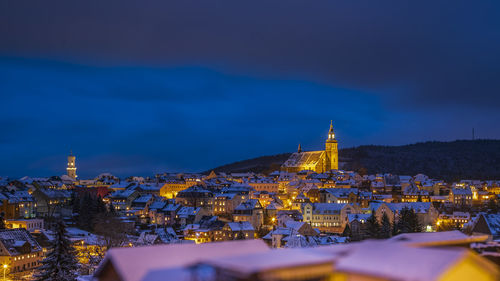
[300, 159]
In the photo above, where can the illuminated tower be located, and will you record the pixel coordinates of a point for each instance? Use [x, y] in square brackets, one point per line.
[71, 169]
[331, 151]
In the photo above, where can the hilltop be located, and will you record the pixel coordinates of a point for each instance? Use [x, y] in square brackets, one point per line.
[461, 159]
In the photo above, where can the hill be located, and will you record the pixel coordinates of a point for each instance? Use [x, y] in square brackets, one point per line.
[461, 159]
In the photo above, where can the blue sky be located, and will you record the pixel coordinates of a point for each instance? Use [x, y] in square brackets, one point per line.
[185, 87]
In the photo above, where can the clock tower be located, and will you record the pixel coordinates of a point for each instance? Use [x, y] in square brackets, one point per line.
[71, 169]
[331, 151]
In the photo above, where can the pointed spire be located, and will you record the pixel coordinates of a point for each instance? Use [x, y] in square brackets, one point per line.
[331, 134]
[300, 149]
[71, 152]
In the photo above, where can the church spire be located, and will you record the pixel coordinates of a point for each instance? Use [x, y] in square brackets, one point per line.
[331, 134]
[300, 149]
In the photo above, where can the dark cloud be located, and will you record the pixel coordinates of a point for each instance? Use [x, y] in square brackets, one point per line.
[188, 85]
[432, 52]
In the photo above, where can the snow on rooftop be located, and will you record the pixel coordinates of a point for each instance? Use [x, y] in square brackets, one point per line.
[132, 264]
[437, 238]
[280, 258]
[399, 262]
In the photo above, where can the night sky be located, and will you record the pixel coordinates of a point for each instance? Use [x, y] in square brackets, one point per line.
[140, 87]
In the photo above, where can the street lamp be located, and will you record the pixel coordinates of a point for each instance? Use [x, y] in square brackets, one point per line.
[4, 269]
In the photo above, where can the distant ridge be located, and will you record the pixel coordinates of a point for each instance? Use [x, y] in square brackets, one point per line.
[461, 159]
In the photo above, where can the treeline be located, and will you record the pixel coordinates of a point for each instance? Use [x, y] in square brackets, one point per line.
[90, 213]
[87, 208]
[407, 222]
[451, 161]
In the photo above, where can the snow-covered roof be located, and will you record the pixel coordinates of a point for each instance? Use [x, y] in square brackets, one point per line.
[461, 191]
[358, 217]
[14, 238]
[399, 262]
[248, 205]
[303, 159]
[188, 211]
[327, 208]
[171, 207]
[143, 199]
[240, 226]
[248, 264]
[443, 238]
[418, 207]
[340, 192]
[493, 223]
[133, 264]
[157, 205]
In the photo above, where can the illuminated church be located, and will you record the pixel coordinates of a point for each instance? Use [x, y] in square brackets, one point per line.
[317, 161]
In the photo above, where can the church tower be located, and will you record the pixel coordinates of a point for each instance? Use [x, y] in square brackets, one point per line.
[331, 151]
[71, 169]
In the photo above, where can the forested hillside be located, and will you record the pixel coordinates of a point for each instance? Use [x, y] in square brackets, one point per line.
[462, 159]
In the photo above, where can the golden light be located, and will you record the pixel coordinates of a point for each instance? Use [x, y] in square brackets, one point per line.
[5, 266]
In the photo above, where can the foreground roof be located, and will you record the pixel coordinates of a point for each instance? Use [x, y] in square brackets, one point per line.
[132, 264]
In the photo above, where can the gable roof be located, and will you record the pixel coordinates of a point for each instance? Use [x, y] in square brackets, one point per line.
[240, 226]
[493, 223]
[303, 159]
[14, 238]
[133, 264]
[444, 238]
[399, 262]
[249, 205]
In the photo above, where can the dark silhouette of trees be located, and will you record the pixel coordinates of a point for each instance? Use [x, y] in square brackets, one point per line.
[408, 221]
[385, 227]
[60, 264]
[372, 226]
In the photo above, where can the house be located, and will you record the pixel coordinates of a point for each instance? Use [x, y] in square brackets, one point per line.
[329, 217]
[279, 237]
[167, 262]
[338, 195]
[251, 211]
[20, 251]
[488, 224]
[228, 200]
[196, 196]
[461, 197]
[426, 213]
[208, 229]
[358, 226]
[170, 213]
[237, 231]
[264, 184]
[49, 200]
[282, 216]
[17, 205]
[190, 215]
[299, 201]
[28, 224]
[122, 199]
[140, 203]
[456, 218]
[413, 194]
[154, 211]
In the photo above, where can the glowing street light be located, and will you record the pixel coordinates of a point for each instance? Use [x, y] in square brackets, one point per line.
[4, 269]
